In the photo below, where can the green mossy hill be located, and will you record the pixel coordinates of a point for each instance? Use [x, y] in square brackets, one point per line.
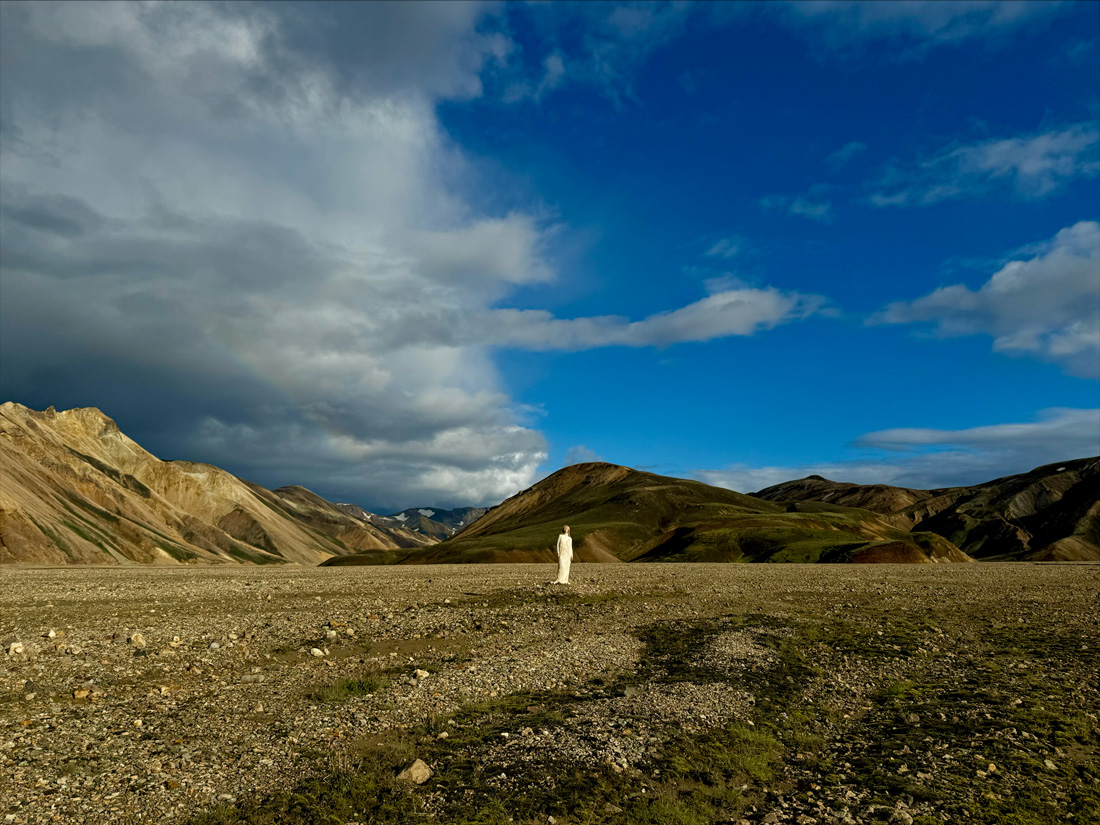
[1051, 513]
[367, 558]
[619, 514]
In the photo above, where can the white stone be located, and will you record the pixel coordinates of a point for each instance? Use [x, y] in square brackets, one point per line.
[418, 772]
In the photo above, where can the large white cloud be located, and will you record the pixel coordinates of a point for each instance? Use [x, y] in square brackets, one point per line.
[245, 230]
[923, 458]
[1045, 306]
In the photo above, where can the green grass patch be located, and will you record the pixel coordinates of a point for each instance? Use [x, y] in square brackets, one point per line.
[350, 688]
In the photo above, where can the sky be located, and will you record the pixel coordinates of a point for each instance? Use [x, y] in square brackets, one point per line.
[425, 254]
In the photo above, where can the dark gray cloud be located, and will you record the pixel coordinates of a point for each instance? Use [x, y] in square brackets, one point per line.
[239, 230]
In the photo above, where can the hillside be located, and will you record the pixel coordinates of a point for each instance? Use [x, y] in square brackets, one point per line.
[75, 490]
[619, 514]
[1051, 513]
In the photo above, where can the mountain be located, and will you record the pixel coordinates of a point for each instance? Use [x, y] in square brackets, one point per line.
[434, 522]
[1051, 513]
[619, 514]
[75, 489]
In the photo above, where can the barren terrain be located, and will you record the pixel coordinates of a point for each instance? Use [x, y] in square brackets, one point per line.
[639, 694]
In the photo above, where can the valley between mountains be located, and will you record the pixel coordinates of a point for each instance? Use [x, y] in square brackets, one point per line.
[74, 489]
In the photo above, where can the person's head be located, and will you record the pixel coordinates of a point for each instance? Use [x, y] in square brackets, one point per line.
[565, 529]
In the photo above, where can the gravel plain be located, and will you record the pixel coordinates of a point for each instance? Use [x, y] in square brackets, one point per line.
[153, 694]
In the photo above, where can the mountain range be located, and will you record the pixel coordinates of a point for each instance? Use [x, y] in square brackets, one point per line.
[75, 489]
[617, 514]
[1051, 513]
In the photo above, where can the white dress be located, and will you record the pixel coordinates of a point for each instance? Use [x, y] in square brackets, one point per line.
[565, 558]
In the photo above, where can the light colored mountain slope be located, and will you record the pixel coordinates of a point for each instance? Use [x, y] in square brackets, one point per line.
[75, 489]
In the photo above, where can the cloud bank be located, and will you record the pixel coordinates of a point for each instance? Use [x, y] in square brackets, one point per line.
[1046, 306]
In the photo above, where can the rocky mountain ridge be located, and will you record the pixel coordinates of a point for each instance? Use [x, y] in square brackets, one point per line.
[1051, 513]
[435, 522]
[75, 490]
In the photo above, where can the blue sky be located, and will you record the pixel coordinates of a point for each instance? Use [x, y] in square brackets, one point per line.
[425, 254]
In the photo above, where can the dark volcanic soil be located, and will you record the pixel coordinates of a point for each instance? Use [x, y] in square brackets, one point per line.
[656, 693]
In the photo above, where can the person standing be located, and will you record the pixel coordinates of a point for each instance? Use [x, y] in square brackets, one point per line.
[565, 555]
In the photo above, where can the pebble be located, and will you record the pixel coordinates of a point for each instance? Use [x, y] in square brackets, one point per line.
[204, 738]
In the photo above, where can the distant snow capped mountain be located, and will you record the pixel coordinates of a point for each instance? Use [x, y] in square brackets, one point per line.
[434, 522]
[427, 521]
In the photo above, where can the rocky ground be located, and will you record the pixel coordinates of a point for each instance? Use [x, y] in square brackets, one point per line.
[639, 694]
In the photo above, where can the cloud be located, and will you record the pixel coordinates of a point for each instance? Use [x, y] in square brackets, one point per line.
[223, 219]
[929, 458]
[1058, 432]
[846, 153]
[731, 312]
[729, 247]
[553, 74]
[601, 45]
[912, 28]
[1046, 306]
[1030, 168]
[579, 454]
[811, 204]
[253, 244]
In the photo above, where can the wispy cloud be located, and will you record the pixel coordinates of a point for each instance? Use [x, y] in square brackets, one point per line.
[730, 247]
[913, 27]
[1057, 433]
[924, 458]
[729, 312]
[1045, 306]
[846, 153]
[812, 204]
[579, 454]
[1031, 167]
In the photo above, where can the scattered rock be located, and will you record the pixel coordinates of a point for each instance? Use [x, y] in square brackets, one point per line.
[418, 772]
[137, 640]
